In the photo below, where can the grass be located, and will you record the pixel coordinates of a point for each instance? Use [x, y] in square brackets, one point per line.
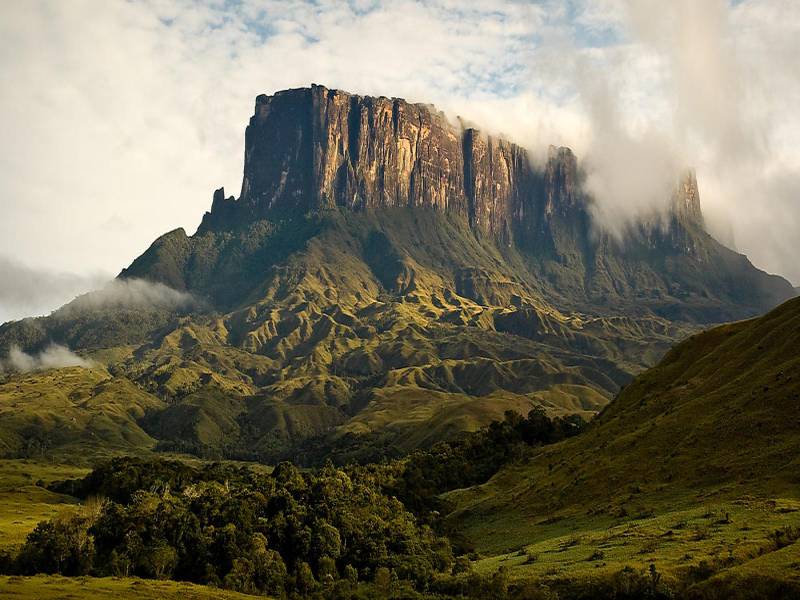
[53, 587]
[24, 501]
[318, 320]
[76, 413]
[726, 535]
[712, 430]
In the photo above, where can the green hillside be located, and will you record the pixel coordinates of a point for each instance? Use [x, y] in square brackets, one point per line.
[77, 413]
[404, 323]
[49, 587]
[697, 459]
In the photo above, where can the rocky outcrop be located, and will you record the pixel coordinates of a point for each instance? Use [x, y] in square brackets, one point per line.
[315, 148]
[686, 200]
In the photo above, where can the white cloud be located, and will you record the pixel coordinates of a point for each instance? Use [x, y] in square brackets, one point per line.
[52, 357]
[27, 291]
[130, 293]
[122, 117]
[733, 84]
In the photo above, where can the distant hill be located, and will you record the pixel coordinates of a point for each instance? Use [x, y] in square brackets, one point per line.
[385, 272]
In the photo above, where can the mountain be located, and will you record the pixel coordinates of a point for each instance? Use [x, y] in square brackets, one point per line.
[387, 274]
[715, 420]
[317, 150]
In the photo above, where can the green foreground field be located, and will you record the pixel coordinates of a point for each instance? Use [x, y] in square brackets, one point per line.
[55, 587]
[24, 501]
[731, 537]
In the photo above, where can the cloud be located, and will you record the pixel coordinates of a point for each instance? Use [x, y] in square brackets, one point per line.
[631, 172]
[126, 115]
[52, 357]
[27, 291]
[709, 85]
[130, 294]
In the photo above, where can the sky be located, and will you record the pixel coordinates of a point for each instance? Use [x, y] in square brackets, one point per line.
[119, 118]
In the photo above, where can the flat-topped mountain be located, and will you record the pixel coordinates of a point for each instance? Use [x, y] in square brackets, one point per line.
[391, 277]
[314, 150]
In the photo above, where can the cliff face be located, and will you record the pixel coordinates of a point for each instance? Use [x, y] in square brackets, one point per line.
[315, 148]
[312, 149]
[686, 200]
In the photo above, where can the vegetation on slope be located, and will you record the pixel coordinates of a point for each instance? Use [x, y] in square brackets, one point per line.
[76, 413]
[160, 507]
[25, 499]
[53, 587]
[403, 323]
[712, 430]
[233, 527]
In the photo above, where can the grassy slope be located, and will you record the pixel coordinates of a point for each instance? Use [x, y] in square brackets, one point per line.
[76, 412]
[712, 428]
[24, 501]
[347, 321]
[48, 587]
[376, 313]
[344, 323]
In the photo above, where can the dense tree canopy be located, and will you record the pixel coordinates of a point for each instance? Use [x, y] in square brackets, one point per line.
[279, 533]
[332, 532]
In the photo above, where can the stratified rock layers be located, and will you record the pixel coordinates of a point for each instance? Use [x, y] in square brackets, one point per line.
[313, 148]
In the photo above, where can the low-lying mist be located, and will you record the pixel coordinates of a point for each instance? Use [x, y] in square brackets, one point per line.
[54, 356]
[29, 292]
[666, 86]
[131, 293]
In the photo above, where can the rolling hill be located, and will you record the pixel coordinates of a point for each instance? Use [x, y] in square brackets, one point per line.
[698, 455]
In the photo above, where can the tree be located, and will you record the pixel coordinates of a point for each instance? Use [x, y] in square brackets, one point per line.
[241, 577]
[269, 572]
[62, 546]
[351, 574]
[383, 579]
[326, 540]
[161, 559]
[326, 571]
[305, 581]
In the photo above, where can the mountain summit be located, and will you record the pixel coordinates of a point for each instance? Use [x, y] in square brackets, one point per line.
[315, 149]
[387, 279]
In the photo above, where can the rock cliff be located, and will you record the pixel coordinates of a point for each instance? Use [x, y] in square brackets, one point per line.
[315, 148]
